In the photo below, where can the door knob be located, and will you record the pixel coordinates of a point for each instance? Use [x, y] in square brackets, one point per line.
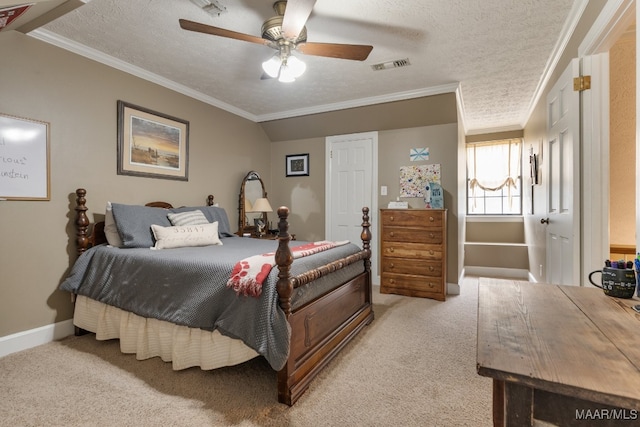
[544, 221]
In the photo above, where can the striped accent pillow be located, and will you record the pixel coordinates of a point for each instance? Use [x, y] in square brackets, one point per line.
[188, 218]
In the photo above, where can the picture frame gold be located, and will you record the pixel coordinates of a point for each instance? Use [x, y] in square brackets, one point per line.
[152, 144]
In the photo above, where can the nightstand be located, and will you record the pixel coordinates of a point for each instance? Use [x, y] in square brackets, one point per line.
[265, 237]
[270, 236]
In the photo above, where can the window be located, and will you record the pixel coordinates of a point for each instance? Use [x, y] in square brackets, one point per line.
[494, 179]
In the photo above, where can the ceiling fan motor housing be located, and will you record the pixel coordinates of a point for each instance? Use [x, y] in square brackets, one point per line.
[272, 30]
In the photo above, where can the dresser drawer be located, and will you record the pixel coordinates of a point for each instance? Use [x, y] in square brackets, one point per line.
[413, 218]
[412, 266]
[415, 251]
[416, 235]
[429, 287]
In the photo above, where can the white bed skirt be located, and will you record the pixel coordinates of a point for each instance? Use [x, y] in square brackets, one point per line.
[184, 347]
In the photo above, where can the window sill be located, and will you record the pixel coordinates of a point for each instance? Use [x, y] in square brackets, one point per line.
[494, 218]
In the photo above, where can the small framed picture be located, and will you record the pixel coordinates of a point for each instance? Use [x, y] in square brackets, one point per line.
[298, 165]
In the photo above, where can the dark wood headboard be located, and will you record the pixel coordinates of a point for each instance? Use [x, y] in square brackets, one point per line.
[88, 235]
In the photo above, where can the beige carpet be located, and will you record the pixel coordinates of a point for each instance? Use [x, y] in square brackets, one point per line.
[413, 366]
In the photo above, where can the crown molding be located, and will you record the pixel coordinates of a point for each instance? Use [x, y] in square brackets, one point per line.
[397, 96]
[87, 52]
[565, 35]
[461, 113]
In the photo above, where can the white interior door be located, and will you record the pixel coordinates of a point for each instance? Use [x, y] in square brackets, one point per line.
[562, 158]
[351, 183]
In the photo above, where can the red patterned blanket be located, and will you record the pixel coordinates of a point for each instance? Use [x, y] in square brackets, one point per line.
[249, 274]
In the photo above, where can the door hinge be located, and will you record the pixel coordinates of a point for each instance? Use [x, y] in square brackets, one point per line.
[582, 83]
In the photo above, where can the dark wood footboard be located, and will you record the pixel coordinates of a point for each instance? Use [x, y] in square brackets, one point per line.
[321, 328]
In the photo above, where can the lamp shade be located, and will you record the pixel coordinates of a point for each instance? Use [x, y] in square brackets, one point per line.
[296, 66]
[262, 205]
[272, 65]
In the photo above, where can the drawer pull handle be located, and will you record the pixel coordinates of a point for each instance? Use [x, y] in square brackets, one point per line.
[390, 249]
[431, 268]
[431, 285]
[392, 281]
[392, 234]
[430, 251]
[390, 218]
[392, 266]
[432, 235]
[431, 219]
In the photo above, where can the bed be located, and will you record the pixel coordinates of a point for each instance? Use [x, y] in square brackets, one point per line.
[192, 305]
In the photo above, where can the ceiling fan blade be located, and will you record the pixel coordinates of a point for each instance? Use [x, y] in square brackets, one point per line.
[295, 16]
[208, 29]
[357, 52]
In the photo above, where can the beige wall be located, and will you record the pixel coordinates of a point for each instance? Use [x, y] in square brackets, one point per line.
[410, 113]
[78, 98]
[535, 136]
[303, 195]
[306, 195]
[622, 142]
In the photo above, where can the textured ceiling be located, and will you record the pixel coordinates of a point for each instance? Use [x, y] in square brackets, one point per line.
[495, 51]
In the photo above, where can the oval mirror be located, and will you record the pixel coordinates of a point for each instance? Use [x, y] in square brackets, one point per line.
[251, 190]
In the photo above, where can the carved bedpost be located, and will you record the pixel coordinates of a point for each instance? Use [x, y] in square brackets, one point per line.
[284, 259]
[82, 221]
[366, 238]
[210, 201]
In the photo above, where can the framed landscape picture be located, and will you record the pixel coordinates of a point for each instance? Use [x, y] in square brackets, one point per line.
[152, 144]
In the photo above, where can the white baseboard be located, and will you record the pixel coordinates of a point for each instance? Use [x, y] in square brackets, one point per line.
[511, 273]
[453, 288]
[35, 337]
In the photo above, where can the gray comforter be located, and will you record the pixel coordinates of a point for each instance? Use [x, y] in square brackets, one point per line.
[187, 286]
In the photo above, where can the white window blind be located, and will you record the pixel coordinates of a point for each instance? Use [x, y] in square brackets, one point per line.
[494, 171]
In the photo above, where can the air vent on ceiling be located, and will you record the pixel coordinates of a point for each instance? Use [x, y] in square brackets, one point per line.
[212, 7]
[391, 64]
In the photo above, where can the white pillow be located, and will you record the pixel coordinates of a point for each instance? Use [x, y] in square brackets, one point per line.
[110, 228]
[188, 218]
[180, 236]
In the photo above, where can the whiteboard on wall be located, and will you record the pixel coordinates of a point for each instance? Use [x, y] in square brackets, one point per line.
[24, 159]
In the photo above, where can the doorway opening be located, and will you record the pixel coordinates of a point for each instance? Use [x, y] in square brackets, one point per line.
[622, 146]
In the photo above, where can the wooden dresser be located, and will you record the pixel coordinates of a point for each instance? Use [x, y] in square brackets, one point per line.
[414, 252]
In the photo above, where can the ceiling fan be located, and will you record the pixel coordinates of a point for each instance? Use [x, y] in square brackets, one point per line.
[286, 33]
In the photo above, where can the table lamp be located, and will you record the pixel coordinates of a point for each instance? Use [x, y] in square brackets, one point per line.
[262, 205]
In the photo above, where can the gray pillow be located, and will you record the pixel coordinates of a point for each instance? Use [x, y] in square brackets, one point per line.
[213, 214]
[134, 223]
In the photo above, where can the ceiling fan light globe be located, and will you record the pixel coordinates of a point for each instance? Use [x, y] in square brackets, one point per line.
[285, 74]
[272, 66]
[296, 66]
